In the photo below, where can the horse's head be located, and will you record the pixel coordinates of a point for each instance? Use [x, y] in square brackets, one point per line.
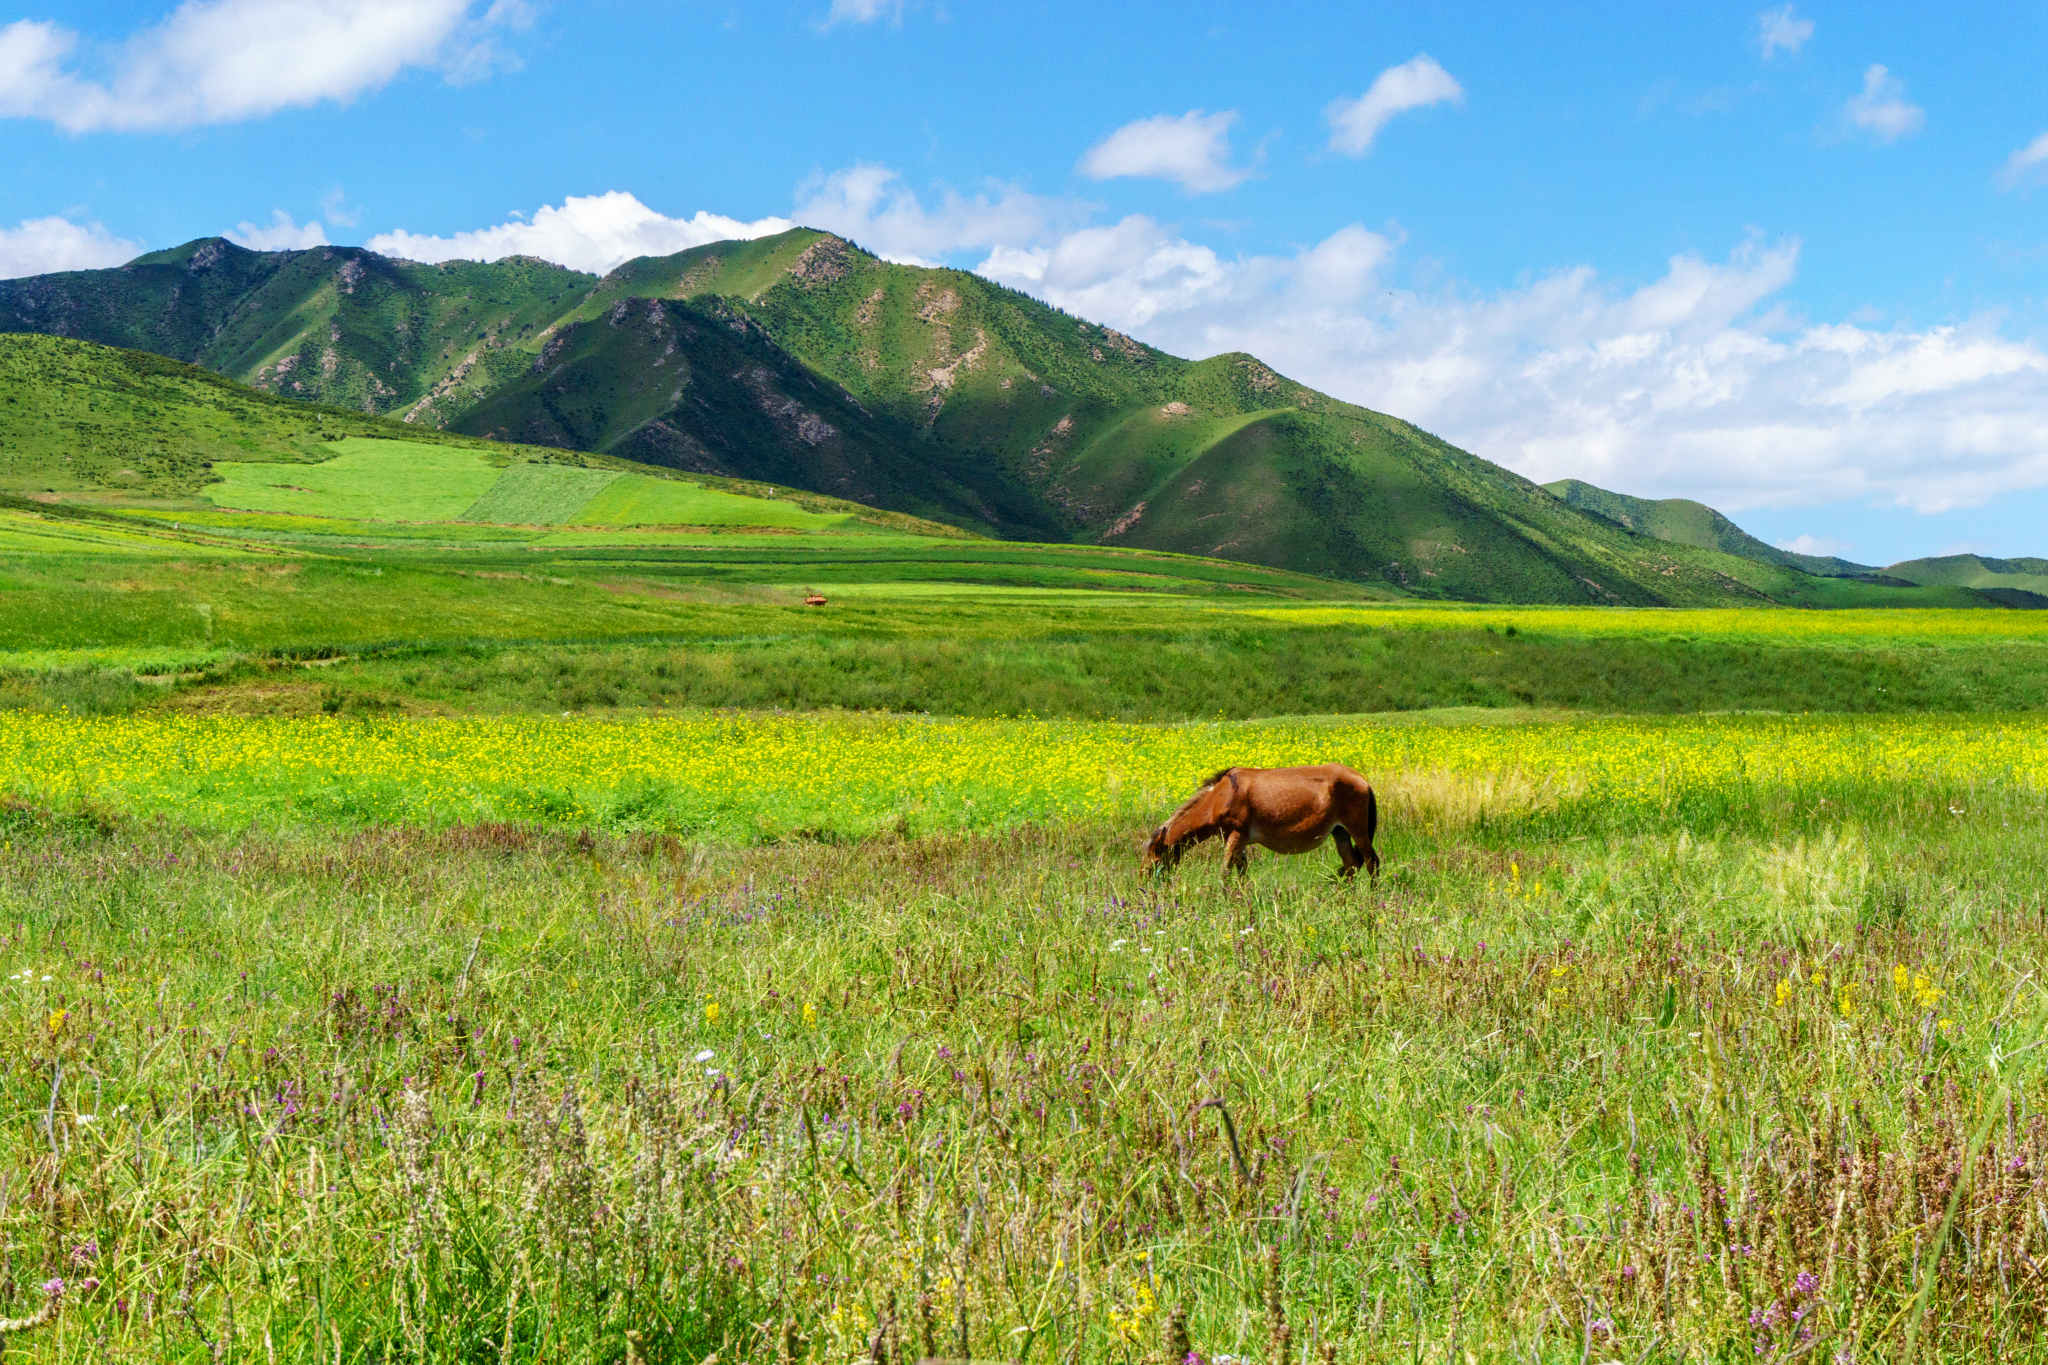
[1156, 852]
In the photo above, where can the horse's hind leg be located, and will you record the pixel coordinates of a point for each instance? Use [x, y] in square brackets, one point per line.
[1348, 851]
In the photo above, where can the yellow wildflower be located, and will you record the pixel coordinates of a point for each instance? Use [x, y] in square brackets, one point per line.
[810, 1014]
[1784, 992]
[711, 1012]
[57, 1021]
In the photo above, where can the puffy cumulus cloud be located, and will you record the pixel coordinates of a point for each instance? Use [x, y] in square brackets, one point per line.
[2028, 165]
[1191, 149]
[38, 246]
[221, 61]
[1139, 276]
[1782, 30]
[593, 232]
[279, 234]
[1414, 84]
[1694, 383]
[1882, 109]
[872, 206]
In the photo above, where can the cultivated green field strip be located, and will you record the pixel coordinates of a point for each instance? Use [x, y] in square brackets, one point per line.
[1784, 625]
[637, 500]
[26, 533]
[327, 531]
[530, 494]
[370, 480]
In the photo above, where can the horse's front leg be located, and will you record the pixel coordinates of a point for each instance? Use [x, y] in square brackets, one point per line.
[1234, 854]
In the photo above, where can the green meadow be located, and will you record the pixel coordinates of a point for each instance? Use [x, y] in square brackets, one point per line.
[528, 932]
[1759, 1077]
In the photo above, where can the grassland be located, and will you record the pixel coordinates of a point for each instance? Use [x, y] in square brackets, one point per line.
[522, 620]
[636, 500]
[1749, 1073]
[358, 1005]
[370, 480]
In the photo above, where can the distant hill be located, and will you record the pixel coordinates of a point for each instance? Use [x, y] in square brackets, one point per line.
[804, 361]
[2007, 580]
[1685, 522]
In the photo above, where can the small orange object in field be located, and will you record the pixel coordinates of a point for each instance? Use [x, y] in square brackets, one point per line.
[816, 599]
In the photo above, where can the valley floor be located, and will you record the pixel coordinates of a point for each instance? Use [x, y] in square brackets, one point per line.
[359, 1004]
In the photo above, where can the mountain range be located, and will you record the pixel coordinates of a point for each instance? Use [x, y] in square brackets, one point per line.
[803, 361]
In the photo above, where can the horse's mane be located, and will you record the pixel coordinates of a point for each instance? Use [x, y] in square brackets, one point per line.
[1201, 791]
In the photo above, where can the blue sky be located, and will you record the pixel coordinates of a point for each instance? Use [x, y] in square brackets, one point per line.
[1789, 261]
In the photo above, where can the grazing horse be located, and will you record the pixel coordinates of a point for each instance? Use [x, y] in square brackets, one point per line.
[1289, 810]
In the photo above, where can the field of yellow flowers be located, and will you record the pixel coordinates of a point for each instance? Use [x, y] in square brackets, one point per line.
[751, 775]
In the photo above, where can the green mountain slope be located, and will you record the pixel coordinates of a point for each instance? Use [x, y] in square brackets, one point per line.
[1686, 522]
[93, 423]
[803, 361]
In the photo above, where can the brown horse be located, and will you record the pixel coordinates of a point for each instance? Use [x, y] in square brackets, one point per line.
[1289, 810]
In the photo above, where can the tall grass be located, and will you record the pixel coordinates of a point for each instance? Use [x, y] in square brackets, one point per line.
[1554, 1089]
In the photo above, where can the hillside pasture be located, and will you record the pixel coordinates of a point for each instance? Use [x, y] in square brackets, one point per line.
[372, 480]
[637, 500]
[534, 494]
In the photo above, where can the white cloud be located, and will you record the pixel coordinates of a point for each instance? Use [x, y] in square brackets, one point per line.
[1136, 273]
[279, 234]
[1883, 109]
[334, 207]
[1191, 149]
[1412, 85]
[221, 61]
[1782, 30]
[1693, 384]
[1825, 547]
[872, 206]
[862, 11]
[2025, 166]
[38, 246]
[593, 232]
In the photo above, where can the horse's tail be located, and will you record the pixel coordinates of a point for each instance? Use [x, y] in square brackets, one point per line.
[1372, 814]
